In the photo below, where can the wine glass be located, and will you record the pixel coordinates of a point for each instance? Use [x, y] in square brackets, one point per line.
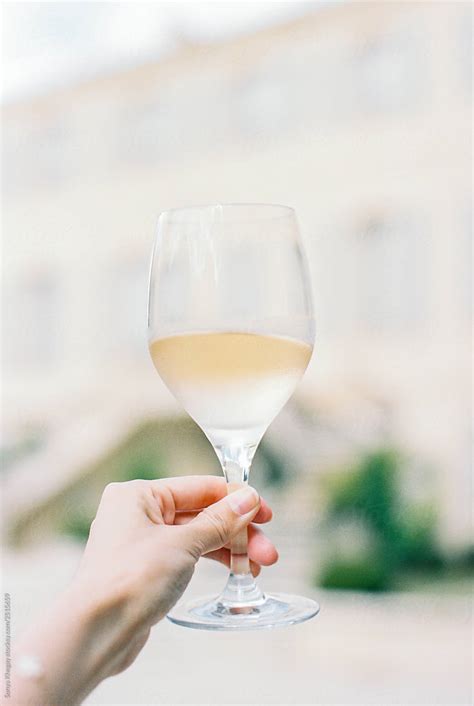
[231, 332]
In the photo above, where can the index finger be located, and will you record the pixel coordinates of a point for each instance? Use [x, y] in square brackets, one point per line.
[192, 492]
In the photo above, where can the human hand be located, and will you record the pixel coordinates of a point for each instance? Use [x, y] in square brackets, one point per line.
[148, 535]
[143, 546]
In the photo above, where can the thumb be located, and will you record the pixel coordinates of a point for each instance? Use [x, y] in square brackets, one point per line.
[218, 523]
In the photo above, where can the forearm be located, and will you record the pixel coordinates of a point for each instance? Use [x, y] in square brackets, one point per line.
[68, 652]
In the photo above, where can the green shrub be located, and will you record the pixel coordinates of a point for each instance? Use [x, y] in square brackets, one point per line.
[274, 468]
[417, 546]
[358, 574]
[130, 467]
[77, 526]
[402, 535]
[370, 491]
[142, 467]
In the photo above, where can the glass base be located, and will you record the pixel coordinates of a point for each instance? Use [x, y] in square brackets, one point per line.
[274, 610]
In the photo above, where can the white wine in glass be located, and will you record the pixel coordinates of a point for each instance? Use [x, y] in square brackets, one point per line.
[232, 384]
[231, 333]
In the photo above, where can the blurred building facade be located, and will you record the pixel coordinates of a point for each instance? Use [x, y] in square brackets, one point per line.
[359, 116]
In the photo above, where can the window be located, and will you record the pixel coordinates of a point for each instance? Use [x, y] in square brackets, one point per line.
[269, 97]
[145, 132]
[128, 307]
[263, 106]
[388, 72]
[392, 274]
[174, 120]
[335, 277]
[31, 323]
[35, 153]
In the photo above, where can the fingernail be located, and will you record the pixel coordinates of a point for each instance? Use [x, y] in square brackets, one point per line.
[244, 500]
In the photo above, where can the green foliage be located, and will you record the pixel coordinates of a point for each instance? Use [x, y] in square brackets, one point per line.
[140, 466]
[465, 560]
[360, 574]
[402, 535]
[129, 466]
[274, 467]
[77, 526]
[417, 546]
[11, 454]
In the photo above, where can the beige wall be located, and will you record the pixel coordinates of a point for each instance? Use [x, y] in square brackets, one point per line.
[359, 116]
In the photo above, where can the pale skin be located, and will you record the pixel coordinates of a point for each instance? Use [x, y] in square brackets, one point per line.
[143, 546]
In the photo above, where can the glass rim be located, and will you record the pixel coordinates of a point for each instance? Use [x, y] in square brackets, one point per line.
[264, 209]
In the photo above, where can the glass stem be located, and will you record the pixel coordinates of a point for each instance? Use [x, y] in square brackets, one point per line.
[241, 590]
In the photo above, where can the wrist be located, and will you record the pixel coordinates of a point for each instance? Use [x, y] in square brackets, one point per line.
[71, 648]
[101, 620]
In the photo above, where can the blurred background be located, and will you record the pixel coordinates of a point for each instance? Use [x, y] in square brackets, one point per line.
[357, 114]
